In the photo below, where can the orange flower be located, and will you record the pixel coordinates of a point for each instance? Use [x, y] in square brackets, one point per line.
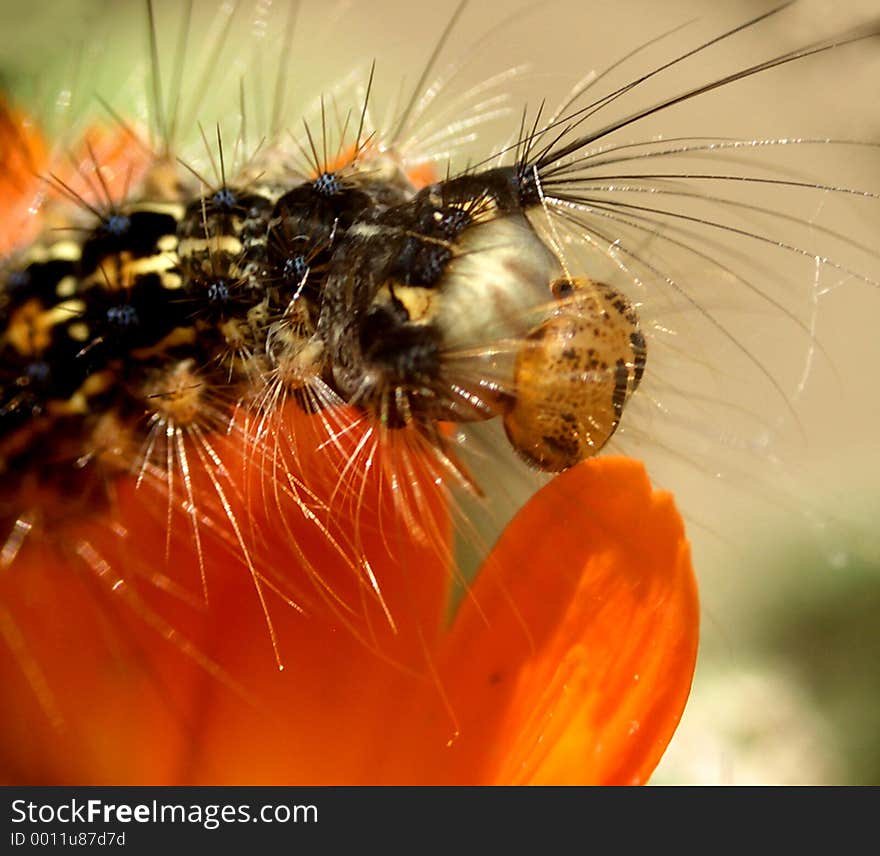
[569, 661]
[26, 187]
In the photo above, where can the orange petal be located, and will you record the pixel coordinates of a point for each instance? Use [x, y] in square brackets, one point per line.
[420, 174]
[122, 674]
[95, 694]
[321, 720]
[22, 155]
[572, 660]
[107, 165]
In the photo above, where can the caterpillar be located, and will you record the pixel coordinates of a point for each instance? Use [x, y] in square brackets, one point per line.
[294, 353]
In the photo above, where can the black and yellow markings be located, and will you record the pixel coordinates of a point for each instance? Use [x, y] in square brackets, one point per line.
[354, 281]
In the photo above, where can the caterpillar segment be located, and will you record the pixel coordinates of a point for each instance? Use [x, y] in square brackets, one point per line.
[417, 306]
